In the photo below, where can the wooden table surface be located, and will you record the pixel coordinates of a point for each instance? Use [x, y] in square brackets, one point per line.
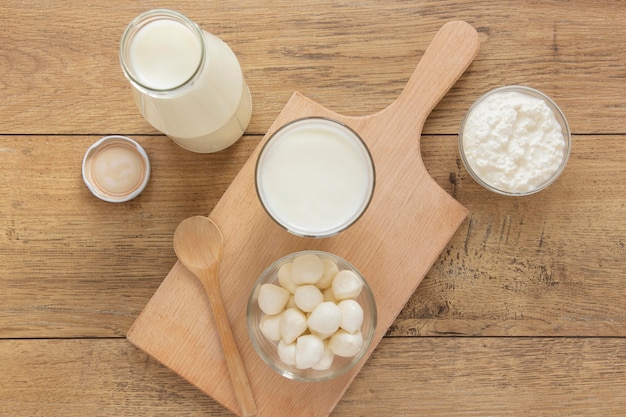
[522, 314]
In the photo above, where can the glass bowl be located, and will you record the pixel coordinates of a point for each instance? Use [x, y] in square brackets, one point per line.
[268, 350]
[515, 141]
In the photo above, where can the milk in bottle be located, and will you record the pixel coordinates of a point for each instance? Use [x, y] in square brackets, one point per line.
[187, 82]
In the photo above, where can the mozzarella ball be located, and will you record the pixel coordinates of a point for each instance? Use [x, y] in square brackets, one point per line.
[346, 344]
[351, 315]
[272, 298]
[287, 353]
[285, 277]
[307, 269]
[346, 284]
[307, 297]
[325, 318]
[329, 296]
[330, 270]
[309, 351]
[327, 359]
[292, 324]
[270, 327]
[321, 335]
[291, 303]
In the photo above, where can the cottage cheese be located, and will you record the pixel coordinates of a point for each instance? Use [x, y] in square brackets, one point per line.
[513, 142]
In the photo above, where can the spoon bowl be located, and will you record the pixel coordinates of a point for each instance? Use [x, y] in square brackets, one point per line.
[198, 243]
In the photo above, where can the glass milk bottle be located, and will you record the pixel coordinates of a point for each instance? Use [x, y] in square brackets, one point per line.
[187, 83]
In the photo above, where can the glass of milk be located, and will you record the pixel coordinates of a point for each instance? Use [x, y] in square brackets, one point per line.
[187, 83]
[315, 177]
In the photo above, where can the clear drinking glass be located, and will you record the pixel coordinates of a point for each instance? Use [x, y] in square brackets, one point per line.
[315, 177]
[187, 83]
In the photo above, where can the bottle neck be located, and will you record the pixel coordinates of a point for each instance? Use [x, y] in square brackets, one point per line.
[162, 53]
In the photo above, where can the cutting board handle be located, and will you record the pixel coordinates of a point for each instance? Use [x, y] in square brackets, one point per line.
[451, 51]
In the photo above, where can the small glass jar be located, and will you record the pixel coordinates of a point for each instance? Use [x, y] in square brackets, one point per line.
[515, 141]
[187, 83]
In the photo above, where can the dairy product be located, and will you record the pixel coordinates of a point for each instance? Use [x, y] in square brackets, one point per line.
[187, 82]
[165, 54]
[318, 329]
[315, 177]
[513, 141]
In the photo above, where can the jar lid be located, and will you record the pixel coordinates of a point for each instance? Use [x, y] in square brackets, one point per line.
[116, 169]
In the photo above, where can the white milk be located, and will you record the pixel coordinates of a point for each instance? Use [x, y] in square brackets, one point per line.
[164, 54]
[315, 177]
[200, 101]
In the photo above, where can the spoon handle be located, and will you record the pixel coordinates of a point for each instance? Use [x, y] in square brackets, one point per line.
[237, 371]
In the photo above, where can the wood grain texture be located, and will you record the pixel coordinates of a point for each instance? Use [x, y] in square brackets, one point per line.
[61, 74]
[74, 265]
[548, 268]
[404, 377]
[549, 264]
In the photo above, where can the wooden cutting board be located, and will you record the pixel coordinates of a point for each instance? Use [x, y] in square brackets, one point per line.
[394, 244]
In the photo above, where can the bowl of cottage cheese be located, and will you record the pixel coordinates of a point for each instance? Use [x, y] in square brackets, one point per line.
[515, 140]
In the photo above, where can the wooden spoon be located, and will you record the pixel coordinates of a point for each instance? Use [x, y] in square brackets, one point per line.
[198, 243]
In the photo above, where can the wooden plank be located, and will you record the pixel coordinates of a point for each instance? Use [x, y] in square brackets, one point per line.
[60, 73]
[549, 264]
[73, 265]
[410, 376]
